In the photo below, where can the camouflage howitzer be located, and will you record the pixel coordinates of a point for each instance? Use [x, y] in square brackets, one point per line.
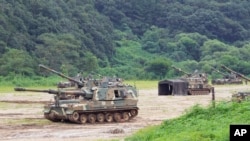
[72, 81]
[221, 81]
[197, 83]
[235, 75]
[106, 103]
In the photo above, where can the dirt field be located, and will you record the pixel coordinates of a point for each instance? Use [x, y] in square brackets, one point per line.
[21, 116]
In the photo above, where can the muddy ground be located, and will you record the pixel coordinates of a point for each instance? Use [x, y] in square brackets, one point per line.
[21, 116]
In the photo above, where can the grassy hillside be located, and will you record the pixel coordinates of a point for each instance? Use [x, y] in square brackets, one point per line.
[198, 124]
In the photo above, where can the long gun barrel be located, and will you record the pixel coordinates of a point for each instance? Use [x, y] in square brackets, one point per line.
[236, 73]
[219, 71]
[79, 83]
[52, 91]
[178, 69]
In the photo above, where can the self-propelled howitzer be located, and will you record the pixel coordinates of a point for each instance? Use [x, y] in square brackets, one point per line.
[236, 73]
[228, 78]
[99, 104]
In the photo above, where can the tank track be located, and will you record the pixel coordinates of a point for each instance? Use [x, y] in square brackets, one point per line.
[80, 117]
[199, 92]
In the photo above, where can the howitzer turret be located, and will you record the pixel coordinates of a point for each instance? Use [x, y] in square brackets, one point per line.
[78, 82]
[236, 73]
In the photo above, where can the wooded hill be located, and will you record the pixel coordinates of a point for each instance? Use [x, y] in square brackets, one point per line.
[133, 39]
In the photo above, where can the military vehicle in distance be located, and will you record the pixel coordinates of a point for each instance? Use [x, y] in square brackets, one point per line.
[240, 96]
[109, 101]
[190, 84]
[228, 78]
[243, 95]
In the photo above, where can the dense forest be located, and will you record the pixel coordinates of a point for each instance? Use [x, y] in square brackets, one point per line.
[133, 39]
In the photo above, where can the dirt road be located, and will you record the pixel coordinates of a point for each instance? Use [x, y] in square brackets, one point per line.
[21, 116]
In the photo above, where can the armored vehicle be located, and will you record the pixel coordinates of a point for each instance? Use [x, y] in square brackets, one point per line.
[239, 96]
[110, 101]
[190, 84]
[243, 95]
[235, 75]
[228, 78]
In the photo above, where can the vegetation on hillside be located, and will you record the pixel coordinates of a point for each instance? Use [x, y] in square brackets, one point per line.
[127, 38]
[198, 124]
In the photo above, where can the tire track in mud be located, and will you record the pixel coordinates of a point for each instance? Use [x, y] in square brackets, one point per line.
[24, 101]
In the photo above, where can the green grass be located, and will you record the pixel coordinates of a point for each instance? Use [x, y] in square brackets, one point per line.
[143, 84]
[26, 121]
[198, 124]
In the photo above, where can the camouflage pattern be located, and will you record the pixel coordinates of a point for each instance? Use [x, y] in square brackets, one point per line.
[240, 96]
[230, 78]
[91, 100]
[236, 74]
[197, 82]
[105, 100]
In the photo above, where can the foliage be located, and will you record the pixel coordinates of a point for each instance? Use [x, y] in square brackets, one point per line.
[116, 38]
[198, 124]
[16, 62]
[159, 67]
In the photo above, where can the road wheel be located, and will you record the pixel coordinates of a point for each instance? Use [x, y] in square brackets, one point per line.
[83, 118]
[109, 117]
[125, 116]
[133, 113]
[100, 117]
[91, 118]
[75, 116]
[52, 116]
[117, 117]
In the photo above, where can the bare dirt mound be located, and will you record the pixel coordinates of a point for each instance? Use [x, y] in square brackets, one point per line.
[21, 116]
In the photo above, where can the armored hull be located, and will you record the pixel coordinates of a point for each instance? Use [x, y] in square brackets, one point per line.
[226, 81]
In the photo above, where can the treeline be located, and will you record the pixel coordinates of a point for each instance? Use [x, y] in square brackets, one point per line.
[131, 39]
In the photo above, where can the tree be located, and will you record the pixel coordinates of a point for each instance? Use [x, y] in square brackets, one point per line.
[159, 67]
[16, 62]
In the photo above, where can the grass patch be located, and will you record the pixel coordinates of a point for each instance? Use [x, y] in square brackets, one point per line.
[26, 121]
[198, 124]
[143, 84]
